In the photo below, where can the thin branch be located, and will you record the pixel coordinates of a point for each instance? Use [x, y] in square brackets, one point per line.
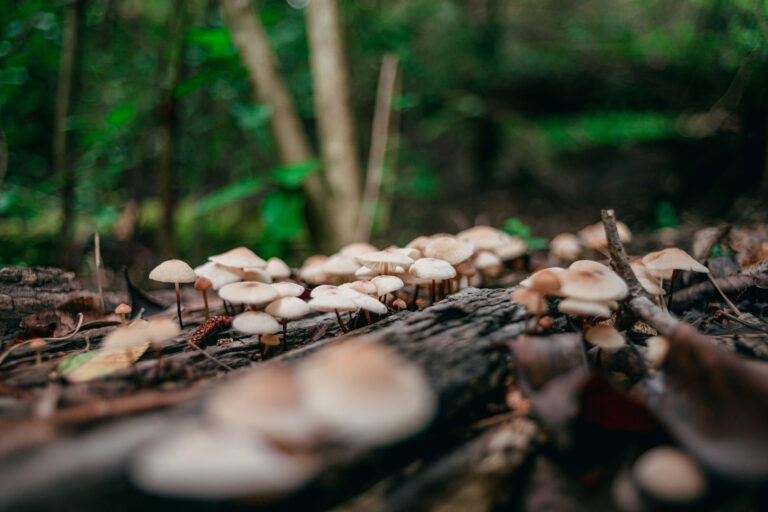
[723, 295]
[209, 356]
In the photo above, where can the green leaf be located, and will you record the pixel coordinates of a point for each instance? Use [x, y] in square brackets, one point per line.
[70, 363]
[121, 115]
[251, 118]
[215, 41]
[537, 243]
[282, 213]
[192, 84]
[292, 176]
[514, 226]
[228, 195]
[666, 216]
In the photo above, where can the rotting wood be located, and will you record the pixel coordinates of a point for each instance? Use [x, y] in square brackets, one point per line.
[455, 341]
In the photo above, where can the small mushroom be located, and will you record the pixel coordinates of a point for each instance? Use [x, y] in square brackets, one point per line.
[433, 270]
[160, 332]
[664, 264]
[248, 292]
[174, 271]
[386, 284]
[288, 289]
[240, 257]
[203, 285]
[277, 268]
[333, 302]
[605, 338]
[287, 308]
[123, 310]
[255, 322]
[37, 344]
[657, 349]
[565, 247]
[269, 341]
[533, 301]
[669, 476]
[384, 262]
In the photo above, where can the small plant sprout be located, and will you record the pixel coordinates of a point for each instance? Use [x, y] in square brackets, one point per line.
[255, 322]
[364, 394]
[433, 270]
[174, 271]
[123, 310]
[287, 308]
[203, 285]
[333, 302]
[37, 344]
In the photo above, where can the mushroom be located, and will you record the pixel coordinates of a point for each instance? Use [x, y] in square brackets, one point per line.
[266, 401]
[449, 249]
[217, 275]
[218, 463]
[593, 236]
[160, 332]
[665, 264]
[433, 270]
[203, 285]
[287, 308]
[533, 302]
[484, 238]
[312, 270]
[365, 302]
[277, 268]
[248, 292]
[584, 308]
[605, 338]
[364, 286]
[174, 271]
[513, 248]
[650, 283]
[669, 476]
[386, 284]
[341, 266]
[364, 394]
[37, 344]
[565, 247]
[399, 304]
[592, 281]
[333, 301]
[256, 274]
[255, 322]
[657, 349]
[240, 257]
[269, 341]
[123, 310]
[357, 248]
[125, 338]
[488, 263]
[288, 289]
[383, 262]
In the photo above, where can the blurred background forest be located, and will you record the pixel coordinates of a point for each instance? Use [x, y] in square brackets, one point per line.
[146, 121]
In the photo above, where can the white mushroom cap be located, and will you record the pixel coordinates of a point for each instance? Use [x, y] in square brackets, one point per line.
[323, 288]
[240, 257]
[173, 271]
[255, 322]
[267, 401]
[484, 238]
[248, 292]
[669, 475]
[125, 337]
[288, 289]
[419, 243]
[593, 236]
[217, 275]
[657, 349]
[332, 301]
[546, 282]
[433, 269]
[565, 247]
[288, 308]
[256, 274]
[363, 286]
[486, 260]
[605, 337]
[647, 280]
[340, 265]
[218, 463]
[528, 280]
[312, 269]
[383, 261]
[365, 301]
[513, 248]
[161, 331]
[364, 272]
[277, 268]
[584, 308]
[532, 300]
[672, 259]
[406, 251]
[357, 248]
[592, 281]
[449, 249]
[386, 284]
[364, 393]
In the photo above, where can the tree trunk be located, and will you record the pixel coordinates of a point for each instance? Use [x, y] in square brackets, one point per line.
[65, 92]
[168, 125]
[334, 118]
[250, 39]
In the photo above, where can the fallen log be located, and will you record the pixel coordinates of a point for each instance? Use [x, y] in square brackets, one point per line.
[455, 341]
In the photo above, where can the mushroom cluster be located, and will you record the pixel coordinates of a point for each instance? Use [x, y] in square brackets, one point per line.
[264, 431]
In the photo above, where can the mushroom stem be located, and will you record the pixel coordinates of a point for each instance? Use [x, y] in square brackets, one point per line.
[434, 291]
[159, 356]
[416, 289]
[671, 289]
[367, 316]
[123, 320]
[178, 304]
[205, 301]
[341, 322]
[38, 356]
[285, 333]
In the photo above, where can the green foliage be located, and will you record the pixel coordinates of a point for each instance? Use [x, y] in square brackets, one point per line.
[515, 227]
[666, 215]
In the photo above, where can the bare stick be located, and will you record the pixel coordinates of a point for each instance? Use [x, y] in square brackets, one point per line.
[379, 133]
[209, 356]
[723, 295]
[97, 257]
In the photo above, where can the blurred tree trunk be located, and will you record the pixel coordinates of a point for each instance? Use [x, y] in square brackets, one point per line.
[168, 124]
[250, 38]
[63, 163]
[332, 110]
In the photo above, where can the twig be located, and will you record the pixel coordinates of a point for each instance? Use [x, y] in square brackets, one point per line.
[378, 149]
[720, 291]
[744, 323]
[209, 356]
[97, 257]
